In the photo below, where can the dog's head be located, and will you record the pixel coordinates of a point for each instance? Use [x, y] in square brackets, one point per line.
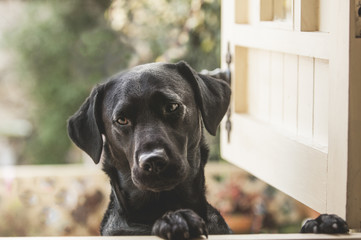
[151, 118]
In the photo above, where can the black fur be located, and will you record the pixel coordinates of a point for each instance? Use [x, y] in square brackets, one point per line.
[146, 123]
[325, 223]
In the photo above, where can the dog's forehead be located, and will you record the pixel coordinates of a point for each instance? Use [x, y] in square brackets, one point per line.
[146, 78]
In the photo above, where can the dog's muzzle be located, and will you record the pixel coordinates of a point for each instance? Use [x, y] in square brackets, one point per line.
[155, 171]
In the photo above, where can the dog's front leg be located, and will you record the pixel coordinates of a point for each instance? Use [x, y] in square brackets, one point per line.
[180, 224]
[128, 231]
[115, 223]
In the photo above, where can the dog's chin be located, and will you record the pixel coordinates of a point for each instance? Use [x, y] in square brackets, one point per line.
[156, 185]
[165, 181]
[155, 188]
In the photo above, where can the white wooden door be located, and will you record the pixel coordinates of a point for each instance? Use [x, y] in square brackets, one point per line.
[296, 103]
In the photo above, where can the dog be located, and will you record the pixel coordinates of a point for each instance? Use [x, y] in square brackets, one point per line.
[146, 124]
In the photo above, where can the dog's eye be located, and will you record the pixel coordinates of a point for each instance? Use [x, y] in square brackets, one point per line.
[171, 107]
[123, 121]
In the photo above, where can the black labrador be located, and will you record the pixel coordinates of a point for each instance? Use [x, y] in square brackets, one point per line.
[147, 126]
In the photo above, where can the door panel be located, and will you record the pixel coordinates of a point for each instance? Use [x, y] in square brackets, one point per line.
[292, 72]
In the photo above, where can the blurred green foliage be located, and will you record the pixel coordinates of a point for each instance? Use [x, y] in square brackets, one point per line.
[65, 47]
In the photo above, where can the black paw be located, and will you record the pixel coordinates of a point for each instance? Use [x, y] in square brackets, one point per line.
[180, 224]
[325, 223]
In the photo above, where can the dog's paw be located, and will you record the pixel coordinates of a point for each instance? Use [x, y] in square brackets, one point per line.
[325, 223]
[180, 224]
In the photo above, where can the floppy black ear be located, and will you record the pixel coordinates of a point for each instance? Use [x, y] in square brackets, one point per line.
[212, 95]
[84, 126]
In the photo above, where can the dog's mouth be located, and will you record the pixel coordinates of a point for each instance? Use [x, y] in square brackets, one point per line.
[166, 181]
[156, 186]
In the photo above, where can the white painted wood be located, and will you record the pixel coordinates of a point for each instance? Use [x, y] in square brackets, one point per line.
[276, 89]
[264, 81]
[297, 15]
[345, 142]
[323, 169]
[254, 12]
[321, 99]
[285, 236]
[290, 72]
[259, 82]
[312, 44]
[292, 167]
[325, 16]
[338, 113]
[305, 98]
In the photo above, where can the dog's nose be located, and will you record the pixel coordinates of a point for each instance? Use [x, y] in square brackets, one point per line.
[154, 162]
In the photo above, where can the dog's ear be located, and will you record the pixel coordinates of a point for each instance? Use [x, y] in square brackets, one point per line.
[84, 127]
[212, 95]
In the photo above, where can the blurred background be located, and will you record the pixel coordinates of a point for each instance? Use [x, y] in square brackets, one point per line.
[51, 55]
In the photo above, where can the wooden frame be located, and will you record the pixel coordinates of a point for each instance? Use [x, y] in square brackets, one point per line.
[319, 163]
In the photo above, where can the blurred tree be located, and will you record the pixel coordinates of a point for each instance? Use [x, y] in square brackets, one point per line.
[65, 47]
[165, 30]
